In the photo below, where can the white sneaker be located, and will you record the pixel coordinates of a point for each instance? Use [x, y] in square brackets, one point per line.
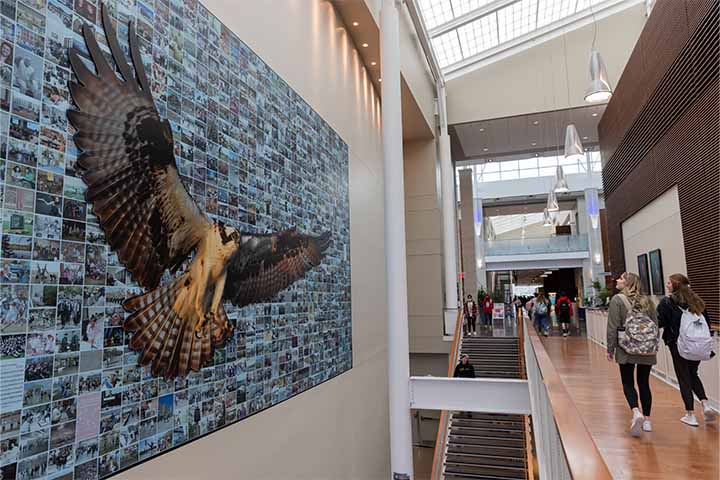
[636, 424]
[647, 426]
[709, 413]
[689, 419]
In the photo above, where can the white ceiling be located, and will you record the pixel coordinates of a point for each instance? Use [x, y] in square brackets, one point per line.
[517, 136]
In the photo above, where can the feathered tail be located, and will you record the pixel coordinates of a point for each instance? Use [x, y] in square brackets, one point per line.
[163, 324]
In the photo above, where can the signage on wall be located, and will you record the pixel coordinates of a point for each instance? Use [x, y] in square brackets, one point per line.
[227, 161]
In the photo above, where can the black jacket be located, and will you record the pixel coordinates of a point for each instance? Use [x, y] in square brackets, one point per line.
[669, 315]
[464, 370]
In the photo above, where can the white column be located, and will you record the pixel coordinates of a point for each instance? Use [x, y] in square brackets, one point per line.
[401, 459]
[449, 203]
[480, 276]
[592, 211]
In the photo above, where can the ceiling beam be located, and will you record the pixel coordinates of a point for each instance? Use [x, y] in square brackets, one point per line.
[469, 17]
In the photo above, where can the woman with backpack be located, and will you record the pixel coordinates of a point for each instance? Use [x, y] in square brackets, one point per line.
[541, 312]
[676, 312]
[632, 341]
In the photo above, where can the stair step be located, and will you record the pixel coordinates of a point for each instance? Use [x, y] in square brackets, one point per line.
[460, 448]
[485, 460]
[506, 473]
[471, 476]
[499, 416]
[486, 441]
[487, 432]
[471, 422]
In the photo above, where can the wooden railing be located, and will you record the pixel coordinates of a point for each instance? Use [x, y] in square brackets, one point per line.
[558, 428]
[442, 435]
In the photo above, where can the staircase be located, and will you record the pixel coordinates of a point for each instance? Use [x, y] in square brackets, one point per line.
[486, 446]
[493, 357]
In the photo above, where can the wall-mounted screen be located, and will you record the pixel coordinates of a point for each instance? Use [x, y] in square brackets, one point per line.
[74, 401]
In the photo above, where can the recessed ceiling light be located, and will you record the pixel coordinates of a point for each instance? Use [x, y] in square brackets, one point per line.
[379, 79]
[585, 138]
[355, 24]
[482, 129]
[536, 122]
[365, 45]
[372, 64]
[534, 143]
[485, 149]
[595, 114]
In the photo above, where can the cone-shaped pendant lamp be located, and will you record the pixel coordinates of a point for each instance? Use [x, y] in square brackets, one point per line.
[552, 203]
[547, 221]
[599, 89]
[561, 184]
[573, 146]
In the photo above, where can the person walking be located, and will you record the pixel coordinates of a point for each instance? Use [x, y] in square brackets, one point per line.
[541, 312]
[470, 310]
[488, 306]
[679, 300]
[631, 300]
[464, 368]
[564, 313]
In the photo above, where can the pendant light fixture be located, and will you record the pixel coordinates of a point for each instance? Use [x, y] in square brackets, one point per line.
[573, 145]
[561, 184]
[552, 203]
[599, 89]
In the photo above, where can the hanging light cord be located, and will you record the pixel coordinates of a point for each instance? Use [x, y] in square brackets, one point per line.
[594, 26]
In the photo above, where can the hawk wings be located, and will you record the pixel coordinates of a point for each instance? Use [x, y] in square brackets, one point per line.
[151, 221]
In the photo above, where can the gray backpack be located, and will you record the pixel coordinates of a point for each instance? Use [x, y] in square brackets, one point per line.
[642, 335]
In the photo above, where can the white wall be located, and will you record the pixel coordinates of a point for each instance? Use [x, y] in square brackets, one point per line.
[338, 430]
[535, 80]
[659, 225]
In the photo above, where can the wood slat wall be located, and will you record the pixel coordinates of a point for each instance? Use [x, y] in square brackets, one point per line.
[662, 128]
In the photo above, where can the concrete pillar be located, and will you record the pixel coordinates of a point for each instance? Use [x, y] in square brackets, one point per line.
[467, 232]
[401, 459]
[449, 202]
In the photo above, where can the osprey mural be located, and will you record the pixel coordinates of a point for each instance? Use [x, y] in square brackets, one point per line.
[153, 224]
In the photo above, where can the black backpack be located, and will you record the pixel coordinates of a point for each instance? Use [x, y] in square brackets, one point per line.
[564, 306]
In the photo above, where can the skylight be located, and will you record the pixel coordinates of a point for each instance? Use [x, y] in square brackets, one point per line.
[463, 29]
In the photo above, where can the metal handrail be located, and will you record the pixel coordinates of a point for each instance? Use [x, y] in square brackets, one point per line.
[442, 435]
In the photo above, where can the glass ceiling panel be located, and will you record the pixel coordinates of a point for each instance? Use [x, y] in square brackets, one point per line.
[447, 48]
[456, 35]
[479, 35]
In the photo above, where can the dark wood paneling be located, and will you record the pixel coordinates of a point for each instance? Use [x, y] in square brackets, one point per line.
[662, 128]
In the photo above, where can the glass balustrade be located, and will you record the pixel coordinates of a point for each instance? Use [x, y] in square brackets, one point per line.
[528, 246]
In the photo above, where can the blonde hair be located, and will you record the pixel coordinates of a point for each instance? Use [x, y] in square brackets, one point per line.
[634, 292]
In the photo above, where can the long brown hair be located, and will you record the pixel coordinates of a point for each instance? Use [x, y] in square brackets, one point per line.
[634, 292]
[683, 295]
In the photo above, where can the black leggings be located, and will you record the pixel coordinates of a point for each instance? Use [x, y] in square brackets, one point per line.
[471, 321]
[643, 380]
[688, 379]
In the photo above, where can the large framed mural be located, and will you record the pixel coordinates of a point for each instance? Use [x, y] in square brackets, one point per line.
[175, 235]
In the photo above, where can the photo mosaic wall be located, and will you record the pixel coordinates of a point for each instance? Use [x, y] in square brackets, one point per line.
[73, 401]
